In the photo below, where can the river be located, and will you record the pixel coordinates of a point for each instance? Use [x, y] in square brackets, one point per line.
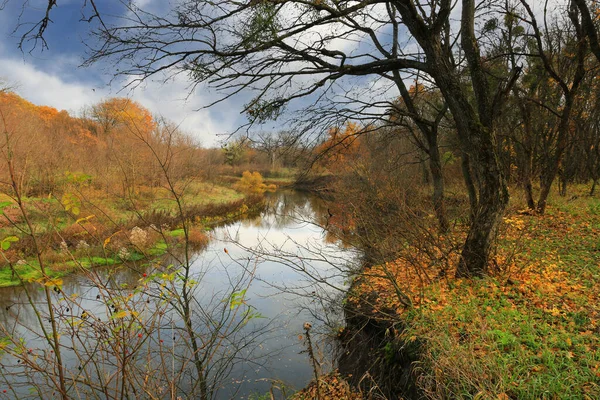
[294, 272]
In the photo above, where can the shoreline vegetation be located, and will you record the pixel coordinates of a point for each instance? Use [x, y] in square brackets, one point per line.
[113, 232]
[528, 330]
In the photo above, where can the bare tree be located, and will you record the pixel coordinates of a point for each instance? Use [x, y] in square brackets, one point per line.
[567, 72]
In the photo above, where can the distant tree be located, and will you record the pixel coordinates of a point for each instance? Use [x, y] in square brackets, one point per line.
[121, 112]
[341, 146]
[5, 86]
[233, 152]
[421, 110]
[276, 145]
[562, 51]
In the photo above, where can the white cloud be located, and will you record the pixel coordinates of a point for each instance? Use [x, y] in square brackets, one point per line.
[43, 88]
[169, 100]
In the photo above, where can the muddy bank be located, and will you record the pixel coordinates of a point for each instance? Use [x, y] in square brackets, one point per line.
[317, 184]
[372, 356]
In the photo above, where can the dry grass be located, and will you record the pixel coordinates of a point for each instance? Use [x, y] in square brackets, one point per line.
[197, 237]
[331, 387]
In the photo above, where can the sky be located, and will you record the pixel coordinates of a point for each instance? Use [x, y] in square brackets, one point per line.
[54, 77]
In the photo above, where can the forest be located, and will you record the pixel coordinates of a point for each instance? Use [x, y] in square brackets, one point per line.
[417, 179]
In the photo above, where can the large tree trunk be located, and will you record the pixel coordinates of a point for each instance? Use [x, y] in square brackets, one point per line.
[480, 162]
[493, 198]
[474, 127]
[437, 177]
[479, 150]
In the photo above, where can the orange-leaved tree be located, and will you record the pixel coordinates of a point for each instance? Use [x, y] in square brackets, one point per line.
[341, 147]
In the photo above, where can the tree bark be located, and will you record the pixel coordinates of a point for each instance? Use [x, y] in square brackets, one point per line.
[437, 177]
[493, 198]
[470, 185]
[529, 193]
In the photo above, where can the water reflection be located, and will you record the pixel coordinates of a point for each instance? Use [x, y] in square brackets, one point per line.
[293, 254]
[296, 270]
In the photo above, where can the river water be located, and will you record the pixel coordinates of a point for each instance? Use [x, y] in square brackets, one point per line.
[293, 272]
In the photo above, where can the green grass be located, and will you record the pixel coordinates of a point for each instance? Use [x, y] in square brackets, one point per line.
[529, 334]
[48, 216]
[30, 271]
[196, 193]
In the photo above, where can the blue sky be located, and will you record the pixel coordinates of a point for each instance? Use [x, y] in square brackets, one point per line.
[53, 76]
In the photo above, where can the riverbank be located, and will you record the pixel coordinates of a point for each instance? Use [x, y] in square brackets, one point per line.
[528, 331]
[103, 230]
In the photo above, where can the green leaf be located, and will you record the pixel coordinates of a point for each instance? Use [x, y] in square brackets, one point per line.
[5, 244]
[237, 299]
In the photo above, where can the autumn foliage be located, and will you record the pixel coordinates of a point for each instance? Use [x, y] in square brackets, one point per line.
[341, 146]
[252, 183]
[527, 332]
[105, 143]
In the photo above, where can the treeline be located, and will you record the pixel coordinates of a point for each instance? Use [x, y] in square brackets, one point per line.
[393, 174]
[103, 146]
[110, 144]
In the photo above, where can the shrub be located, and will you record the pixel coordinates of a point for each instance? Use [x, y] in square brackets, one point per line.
[252, 183]
[138, 237]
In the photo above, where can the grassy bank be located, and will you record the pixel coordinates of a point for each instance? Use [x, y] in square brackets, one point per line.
[108, 229]
[529, 331]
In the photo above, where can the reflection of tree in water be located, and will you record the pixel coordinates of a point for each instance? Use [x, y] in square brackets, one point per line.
[286, 207]
[15, 306]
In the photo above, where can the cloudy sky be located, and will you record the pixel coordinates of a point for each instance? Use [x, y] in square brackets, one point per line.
[53, 76]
